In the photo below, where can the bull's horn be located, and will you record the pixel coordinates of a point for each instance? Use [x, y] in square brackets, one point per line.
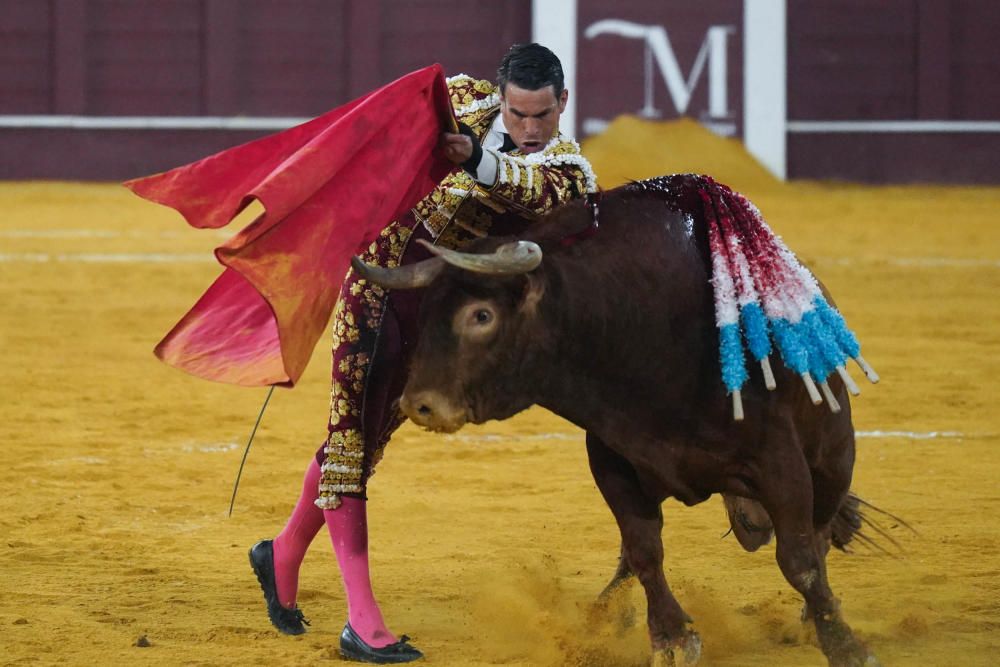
[408, 276]
[508, 259]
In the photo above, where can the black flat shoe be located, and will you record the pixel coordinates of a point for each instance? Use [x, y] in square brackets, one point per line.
[354, 647]
[288, 621]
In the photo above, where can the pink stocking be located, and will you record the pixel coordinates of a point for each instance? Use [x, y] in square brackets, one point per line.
[348, 525]
[291, 544]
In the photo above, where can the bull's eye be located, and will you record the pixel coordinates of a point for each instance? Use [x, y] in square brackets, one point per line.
[476, 321]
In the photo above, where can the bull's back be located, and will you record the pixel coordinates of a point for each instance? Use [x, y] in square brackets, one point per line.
[635, 303]
[643, 284]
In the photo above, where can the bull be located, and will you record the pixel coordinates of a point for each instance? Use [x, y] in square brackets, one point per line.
[616, 334]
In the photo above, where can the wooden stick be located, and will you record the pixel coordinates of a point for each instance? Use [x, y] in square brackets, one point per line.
[868, 370]
[765, 365]
[831, 400]
[737, 405]
[811, 388]
[848, 381]
[239, 473]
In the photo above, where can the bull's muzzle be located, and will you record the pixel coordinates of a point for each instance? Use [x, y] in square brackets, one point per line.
[432, 410]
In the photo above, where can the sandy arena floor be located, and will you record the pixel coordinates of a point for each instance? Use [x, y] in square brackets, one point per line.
[488, 545]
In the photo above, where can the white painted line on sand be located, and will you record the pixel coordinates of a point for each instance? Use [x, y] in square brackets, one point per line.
[92, 234]
[108, 258]
[96, 234]
[495, 437]
[211, 447]
[58, 234]
[912, 435]
[919, 262]
[31, 257]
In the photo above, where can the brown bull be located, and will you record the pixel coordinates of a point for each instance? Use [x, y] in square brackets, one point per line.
[616, 333]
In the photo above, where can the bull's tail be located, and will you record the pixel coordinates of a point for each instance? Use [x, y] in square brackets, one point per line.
[856, 524]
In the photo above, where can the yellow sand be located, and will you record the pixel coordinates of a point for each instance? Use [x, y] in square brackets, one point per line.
[489, 545]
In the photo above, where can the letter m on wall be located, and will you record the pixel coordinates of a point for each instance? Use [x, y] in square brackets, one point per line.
[660, 56]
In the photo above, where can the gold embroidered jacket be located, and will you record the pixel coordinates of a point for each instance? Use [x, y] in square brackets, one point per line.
[458, 210]
[527, 185]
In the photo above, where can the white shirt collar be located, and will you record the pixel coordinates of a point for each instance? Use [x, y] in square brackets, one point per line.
[494, 136]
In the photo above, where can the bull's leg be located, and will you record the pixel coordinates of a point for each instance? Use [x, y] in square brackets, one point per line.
[622, 576]
[640, 522]
[829, 491]
[786, 488]
[614, 600]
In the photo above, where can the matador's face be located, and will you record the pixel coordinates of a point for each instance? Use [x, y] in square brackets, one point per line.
[531, 116]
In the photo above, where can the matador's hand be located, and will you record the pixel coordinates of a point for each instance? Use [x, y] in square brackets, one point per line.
[457, 147]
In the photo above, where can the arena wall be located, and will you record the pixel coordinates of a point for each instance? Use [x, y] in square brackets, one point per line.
[109, 89]
[897, 90]
[887, 91]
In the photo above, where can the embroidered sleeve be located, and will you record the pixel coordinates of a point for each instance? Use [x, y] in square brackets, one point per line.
[539, 182]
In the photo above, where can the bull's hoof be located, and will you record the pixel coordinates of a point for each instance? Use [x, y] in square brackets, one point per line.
[856, 655]
[614, 605]
[857, 661]
[841, 647]
[620, 615]
[682, 652]
[619, 585]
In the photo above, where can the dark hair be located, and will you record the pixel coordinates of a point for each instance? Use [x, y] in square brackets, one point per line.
[532, 67]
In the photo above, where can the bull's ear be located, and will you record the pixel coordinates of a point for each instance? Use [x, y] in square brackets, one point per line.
[532, 293]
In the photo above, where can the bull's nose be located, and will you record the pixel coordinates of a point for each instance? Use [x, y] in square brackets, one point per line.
[417, 406]
[432, 410]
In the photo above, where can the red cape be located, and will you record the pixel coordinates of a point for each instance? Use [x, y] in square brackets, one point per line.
[328, 187]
